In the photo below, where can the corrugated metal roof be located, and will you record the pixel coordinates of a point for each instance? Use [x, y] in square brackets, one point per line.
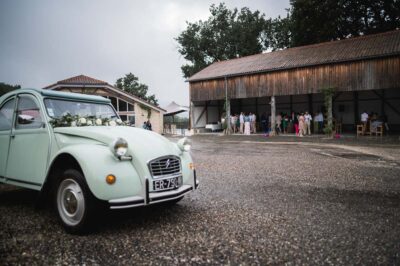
[364, 47]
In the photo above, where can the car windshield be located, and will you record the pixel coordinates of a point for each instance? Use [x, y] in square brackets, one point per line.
[58, 108]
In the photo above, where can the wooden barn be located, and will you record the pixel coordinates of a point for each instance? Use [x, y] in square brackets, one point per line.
[363, 71]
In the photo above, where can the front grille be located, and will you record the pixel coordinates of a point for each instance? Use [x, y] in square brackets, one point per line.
[165, 166]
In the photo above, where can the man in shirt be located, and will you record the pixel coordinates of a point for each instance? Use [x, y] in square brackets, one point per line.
[320, 120]
[254, 123]
[233, 123]
[241, 120]
[364, 120]
[251, 122]
[307, 119]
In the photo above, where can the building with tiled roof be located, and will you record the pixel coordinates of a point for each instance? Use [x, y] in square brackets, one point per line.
[130, 108]
[364, 72]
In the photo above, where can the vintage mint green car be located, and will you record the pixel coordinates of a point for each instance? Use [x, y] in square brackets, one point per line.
[75, 148]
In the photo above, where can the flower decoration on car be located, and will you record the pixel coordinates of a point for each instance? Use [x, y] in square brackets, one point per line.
[69, 120]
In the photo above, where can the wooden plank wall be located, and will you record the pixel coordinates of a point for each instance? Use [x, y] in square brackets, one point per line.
[382, 73]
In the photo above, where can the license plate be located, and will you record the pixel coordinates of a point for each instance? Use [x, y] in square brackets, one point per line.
[167, 183]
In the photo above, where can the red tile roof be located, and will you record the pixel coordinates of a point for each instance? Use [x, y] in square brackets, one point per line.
[364, 47]
[83, 80]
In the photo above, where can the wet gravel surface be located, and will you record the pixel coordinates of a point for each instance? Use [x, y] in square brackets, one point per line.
[258, 203]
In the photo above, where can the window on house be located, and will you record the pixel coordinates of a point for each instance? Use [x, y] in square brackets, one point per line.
[122, 105]
[114, 102]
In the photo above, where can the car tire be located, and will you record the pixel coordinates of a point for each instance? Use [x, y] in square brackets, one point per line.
[74, 202]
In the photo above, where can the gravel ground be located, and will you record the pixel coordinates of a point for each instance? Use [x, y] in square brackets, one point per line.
[259, 202]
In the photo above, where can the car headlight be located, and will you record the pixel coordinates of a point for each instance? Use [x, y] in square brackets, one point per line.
[119, 147]
[184, 144]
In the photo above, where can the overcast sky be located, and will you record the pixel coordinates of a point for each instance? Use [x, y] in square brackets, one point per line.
[44, 41]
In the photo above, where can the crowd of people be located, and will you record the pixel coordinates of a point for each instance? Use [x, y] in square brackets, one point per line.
[147, 125]
[245, 123]
[371, 121]
[299, 123]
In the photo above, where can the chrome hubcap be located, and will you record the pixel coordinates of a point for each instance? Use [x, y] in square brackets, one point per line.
[70, 202]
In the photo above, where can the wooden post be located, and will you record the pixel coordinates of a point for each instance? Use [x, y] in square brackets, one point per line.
[273, 116]
[310, 110]
[191, 115]
[329, 113]
[206, 112]
[228, 110]
[383, 103]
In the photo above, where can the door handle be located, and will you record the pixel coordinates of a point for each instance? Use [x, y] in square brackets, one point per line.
[12, 136]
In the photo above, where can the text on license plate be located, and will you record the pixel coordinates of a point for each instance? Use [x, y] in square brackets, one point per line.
[168, 183]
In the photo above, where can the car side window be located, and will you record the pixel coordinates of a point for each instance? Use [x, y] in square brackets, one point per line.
[28, 113]
[6, 114]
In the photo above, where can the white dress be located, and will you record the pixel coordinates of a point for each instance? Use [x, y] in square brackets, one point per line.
[247, 128]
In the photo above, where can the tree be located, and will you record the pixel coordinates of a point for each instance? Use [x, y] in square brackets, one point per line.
[314, 21]
[4, 88]
[130, 84]
[225, 35]
[228, 34]
[278, 34]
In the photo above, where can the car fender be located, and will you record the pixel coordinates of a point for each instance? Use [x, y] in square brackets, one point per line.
[96, 162]
[187, 172]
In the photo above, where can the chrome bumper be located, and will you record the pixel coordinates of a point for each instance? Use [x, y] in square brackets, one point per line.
[152, 198]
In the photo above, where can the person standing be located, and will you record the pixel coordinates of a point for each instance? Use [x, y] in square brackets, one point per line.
[254, 121]
[264, 123]
[315, 127]
[320, 122]
[278, 123]
[241, 120]
[251, 122]
[233, 123]
[307, 119]
[247, 125]
[295, 122]
[285, 123]
[237, 123]
[364, 120]
[148, 124]
[301, 125]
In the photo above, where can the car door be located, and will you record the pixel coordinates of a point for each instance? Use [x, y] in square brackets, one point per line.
[6, 118]
[29, 144]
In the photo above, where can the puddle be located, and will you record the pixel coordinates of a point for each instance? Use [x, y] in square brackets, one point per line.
[357, 156]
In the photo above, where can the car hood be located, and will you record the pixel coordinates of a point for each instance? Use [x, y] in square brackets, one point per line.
[143, 144]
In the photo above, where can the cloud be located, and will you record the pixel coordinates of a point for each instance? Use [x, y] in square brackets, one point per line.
[45, 41]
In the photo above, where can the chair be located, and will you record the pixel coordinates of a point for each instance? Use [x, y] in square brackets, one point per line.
[360, 130]
[378, 131]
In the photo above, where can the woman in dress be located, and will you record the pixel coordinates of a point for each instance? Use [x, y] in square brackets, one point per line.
[301, 125]
[247, 125]
[295, 121]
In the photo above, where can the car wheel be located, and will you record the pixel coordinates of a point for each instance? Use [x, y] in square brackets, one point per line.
[74, 202]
